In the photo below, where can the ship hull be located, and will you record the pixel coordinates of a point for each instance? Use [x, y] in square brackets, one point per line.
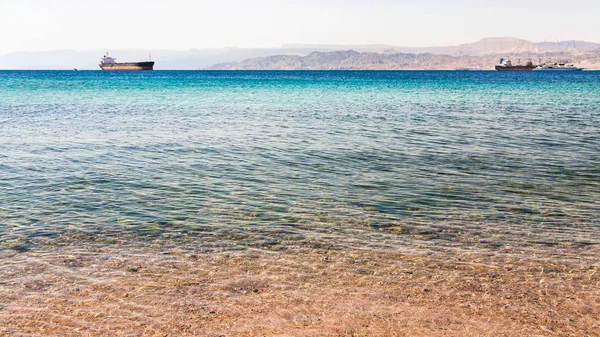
[128, 66]
[515, 68]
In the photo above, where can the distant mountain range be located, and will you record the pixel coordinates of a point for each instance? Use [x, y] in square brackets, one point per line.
[482, 54]
[487, 46]
[353, 60]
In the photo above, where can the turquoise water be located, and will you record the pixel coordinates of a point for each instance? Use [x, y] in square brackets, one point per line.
[279, 159]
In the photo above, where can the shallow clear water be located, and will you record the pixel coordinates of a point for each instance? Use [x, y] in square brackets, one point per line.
[273, 159]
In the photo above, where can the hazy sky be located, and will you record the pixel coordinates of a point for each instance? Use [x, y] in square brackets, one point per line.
[186, 24]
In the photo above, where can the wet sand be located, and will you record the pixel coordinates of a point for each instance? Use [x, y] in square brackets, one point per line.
[103, 290]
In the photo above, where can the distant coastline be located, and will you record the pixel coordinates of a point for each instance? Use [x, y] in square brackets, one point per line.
[480, 55]
[352, 60]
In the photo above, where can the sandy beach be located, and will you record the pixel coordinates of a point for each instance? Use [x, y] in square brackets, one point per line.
[110, 290]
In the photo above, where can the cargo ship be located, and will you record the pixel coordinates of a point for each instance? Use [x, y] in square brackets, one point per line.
[110, 63]
[508, 66]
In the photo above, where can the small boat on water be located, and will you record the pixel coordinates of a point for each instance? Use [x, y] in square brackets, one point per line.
[506, 65]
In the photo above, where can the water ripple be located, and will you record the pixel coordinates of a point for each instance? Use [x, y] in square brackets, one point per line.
[272, 159]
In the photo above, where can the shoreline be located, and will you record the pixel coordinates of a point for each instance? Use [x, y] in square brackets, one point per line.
[109, 289]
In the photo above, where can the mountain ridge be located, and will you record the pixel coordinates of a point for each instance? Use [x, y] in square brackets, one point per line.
[353, 60]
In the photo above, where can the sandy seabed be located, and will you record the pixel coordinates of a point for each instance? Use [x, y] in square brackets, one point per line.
[107, 290]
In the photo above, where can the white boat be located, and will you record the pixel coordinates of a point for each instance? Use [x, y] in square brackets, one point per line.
[557, 67]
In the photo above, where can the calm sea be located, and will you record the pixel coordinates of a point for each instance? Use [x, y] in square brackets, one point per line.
[230, 160]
